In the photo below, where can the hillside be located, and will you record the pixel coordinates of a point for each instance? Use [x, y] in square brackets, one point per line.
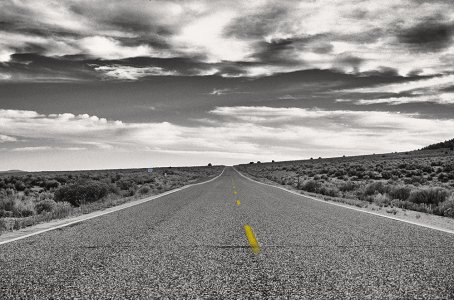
[417, 180]
[443, 145]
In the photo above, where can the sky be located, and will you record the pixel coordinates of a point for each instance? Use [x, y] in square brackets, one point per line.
[142, 83]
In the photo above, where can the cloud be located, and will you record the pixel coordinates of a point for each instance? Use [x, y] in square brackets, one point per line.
[33, 67]
[437, 82]
[259, 38]
[6, 138]
[219, 92]
[428, 36]
[109, 48]
[65, 127]
[205, 35]
[286, 97]
[132, 73]
[46, 148]
[278, 132]
[31, 149]
[321, 130]
[443, 98]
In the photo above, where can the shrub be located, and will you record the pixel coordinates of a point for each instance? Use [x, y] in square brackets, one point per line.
[19, 185]
[62, 209]
[46, 205]
[82, 192]
[23, 208]
[347, 186]
[446, 208]
[399, 192]
[310, 186]
[381, 200]
[7, 203]
[3, 226]
[144, 190]
[328, 191]
[125, 184]
[391, 211]
[428, 195]
[375, 187]
[49, 184]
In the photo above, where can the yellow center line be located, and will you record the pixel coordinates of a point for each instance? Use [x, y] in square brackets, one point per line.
[251, 239]
[238, 202]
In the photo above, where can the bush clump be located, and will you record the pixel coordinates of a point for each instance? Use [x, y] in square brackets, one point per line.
[446, 208]
[82, 192]
[311, 186]
[347, 186]
[144, 190]
[400, 192]
[47, 205]
[12, 206]
[428, 195]
[377, 187]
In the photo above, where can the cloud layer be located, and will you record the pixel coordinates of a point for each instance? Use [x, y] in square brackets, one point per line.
[238, 132]
[243, 38]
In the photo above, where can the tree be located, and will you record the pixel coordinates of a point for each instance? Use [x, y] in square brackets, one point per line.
[210, 165]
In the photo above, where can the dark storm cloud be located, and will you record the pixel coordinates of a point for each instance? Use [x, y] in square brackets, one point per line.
[449, 89]
[79, 67]
[31, 66]
[429, 36]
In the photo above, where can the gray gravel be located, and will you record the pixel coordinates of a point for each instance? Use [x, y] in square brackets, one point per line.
[191, 244]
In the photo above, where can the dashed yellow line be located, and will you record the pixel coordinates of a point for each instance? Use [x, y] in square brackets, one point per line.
[238, 202]
[252, 239]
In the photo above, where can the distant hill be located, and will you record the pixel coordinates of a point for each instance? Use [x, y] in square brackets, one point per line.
[12, 171]
[445, 144]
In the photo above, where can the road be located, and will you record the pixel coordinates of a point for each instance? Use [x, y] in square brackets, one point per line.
[193, 244]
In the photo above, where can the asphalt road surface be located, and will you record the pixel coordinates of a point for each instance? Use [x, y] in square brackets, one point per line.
[203, 243]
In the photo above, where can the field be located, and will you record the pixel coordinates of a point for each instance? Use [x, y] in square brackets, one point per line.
[420, 180]
[30, 198]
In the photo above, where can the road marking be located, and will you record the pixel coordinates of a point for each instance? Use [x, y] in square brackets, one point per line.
[346, 206]
[96, 214]
[238, 202]
[252, 239]
[234, 192]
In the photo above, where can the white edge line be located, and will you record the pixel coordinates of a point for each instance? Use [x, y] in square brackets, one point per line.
[114, 209]
[347, 206]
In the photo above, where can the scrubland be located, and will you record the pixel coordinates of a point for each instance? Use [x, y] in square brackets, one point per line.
[30, 198]
[420, 180]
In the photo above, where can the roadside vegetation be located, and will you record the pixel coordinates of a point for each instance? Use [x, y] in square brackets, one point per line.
[420, 180]
[30, 198]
